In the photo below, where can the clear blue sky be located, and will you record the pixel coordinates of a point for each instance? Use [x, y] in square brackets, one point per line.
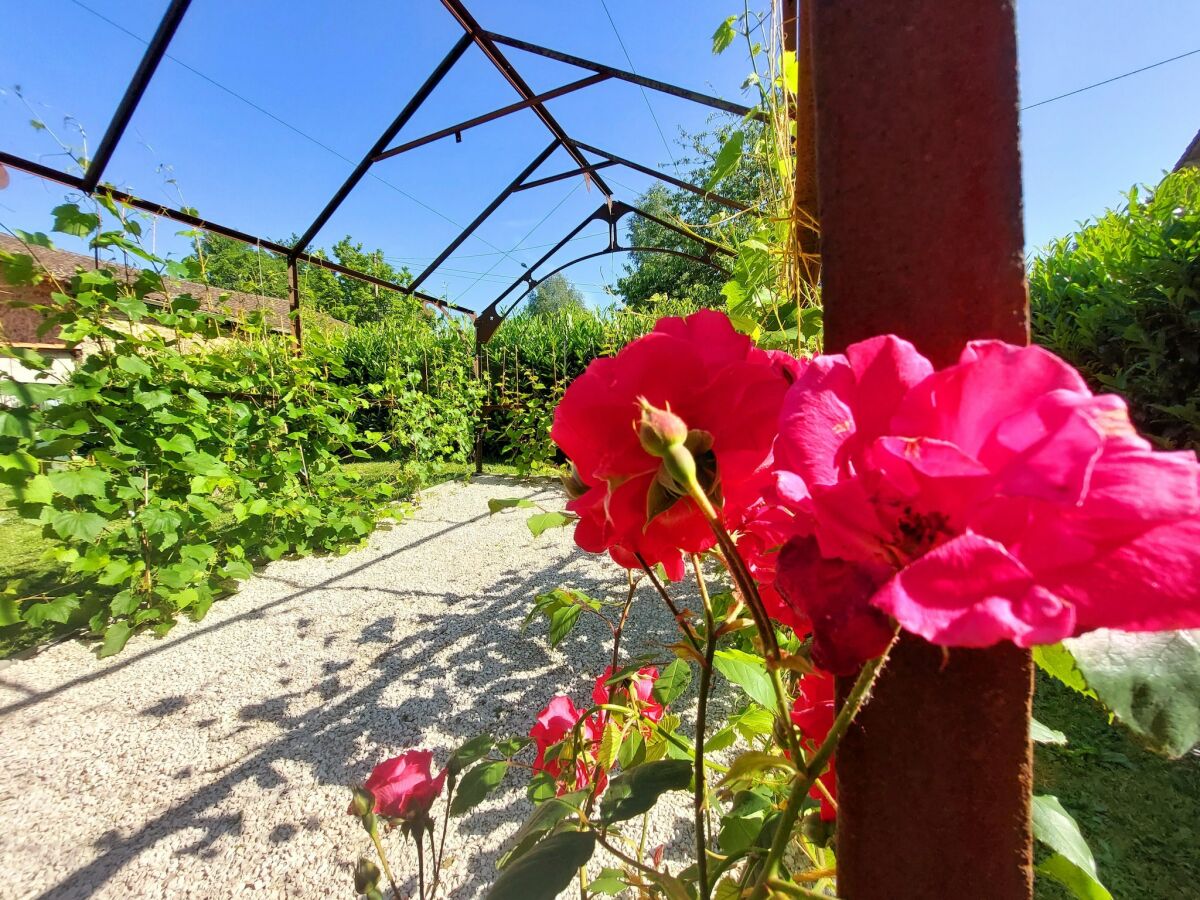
[338, 72]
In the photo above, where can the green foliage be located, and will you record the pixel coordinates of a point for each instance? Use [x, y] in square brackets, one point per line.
[185, 447]
[547, 869]
[636, 791]
[416, 371]
[1120, 300]
[1150, 681]
[531, 360]
[1071, 864]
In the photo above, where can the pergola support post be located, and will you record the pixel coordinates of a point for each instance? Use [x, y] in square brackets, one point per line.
[294, 302]
[921, 236]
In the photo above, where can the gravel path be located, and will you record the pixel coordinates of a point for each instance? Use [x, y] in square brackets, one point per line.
[215, 762]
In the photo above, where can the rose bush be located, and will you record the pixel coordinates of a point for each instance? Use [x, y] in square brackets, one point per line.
[843, 499]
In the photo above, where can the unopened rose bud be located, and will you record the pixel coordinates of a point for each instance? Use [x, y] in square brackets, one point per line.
[660, 429]
[362, 803]
[366, 876]
[573, 484]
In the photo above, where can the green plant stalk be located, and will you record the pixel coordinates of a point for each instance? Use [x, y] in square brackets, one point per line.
[701, 786]
[816, 765]
[373, 831]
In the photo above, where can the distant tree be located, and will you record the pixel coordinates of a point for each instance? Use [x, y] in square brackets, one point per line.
[651, 274]
[552, 295]
[226, 263]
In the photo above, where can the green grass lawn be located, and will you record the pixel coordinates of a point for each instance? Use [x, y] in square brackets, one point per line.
[1140, 813]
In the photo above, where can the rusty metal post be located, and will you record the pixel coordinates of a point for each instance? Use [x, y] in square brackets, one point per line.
[294, 302]
[921, 235]
[477, 368]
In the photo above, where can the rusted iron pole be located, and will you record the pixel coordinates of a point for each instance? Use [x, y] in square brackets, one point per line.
[294, 303]
[921, 235]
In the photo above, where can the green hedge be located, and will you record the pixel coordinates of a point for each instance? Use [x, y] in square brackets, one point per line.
[1120, 299]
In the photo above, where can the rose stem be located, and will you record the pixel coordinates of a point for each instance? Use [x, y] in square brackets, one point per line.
[420, 862]
[679, 619]
[387, 870]
[816, 764]
[701, 787]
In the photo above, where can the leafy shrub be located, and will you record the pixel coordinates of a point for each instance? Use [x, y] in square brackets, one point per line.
[533, 357]
[183, 449]
[417, 375]
[1120, 299]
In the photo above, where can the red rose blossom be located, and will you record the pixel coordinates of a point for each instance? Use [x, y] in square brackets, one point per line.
[813, 713]
[403, 787]
[711, 379]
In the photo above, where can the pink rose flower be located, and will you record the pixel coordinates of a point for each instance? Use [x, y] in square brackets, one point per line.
[997, 499]
[642, 683]
[554, 724]
[403, 787]
[715, 384]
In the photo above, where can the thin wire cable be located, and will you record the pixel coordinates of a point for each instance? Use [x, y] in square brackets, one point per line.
[540, 223]
[645, 97]
[1089, 87]
[287, 125]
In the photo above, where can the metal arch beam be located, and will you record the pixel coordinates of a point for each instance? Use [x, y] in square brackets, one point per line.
[186, 218]
[490, 318]
[661, 86]
[386, 138]
[663, 176]
[155, 51]
[491, 208]
[469, 24]
[490, 117]
[550, 179]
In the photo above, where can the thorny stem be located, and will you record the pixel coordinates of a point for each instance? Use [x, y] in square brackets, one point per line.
[662, 592]
[701, 787]
[441, 850]
[815, 765]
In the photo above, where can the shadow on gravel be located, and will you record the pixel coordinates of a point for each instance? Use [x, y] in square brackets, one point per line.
[482, 635]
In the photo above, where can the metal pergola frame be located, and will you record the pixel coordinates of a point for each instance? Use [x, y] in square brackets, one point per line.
[489, 43]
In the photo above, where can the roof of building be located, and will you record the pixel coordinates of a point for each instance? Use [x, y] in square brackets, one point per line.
[63, 264]
[1191, 156]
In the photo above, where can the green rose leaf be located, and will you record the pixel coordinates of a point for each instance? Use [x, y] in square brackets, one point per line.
[544, 817]
[672, 682]
[636, 791]
[749, 672]
[1150, 681]
[543, 522]
[543, 873]
[469, 753]
[477, 784]
[495, 505]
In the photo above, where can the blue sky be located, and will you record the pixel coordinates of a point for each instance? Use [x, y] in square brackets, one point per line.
[332, 76]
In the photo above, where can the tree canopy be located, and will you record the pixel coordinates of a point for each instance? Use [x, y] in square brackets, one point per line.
[230, 264]
[554, 294]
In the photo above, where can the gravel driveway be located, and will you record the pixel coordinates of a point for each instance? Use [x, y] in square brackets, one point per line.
[215, 762]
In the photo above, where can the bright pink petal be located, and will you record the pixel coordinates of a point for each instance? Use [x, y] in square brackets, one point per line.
[885, 368]
[1151, 583]
[965, 403]
[816, 420]
[970, 592]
